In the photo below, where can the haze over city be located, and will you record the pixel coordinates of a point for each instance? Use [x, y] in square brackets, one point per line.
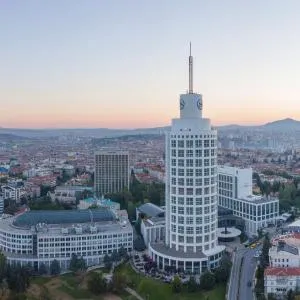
[119, 64]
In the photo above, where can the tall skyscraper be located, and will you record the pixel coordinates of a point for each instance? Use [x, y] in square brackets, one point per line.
[191, 190]
[111, 172]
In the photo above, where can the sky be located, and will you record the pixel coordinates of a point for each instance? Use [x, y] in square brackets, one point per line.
[123, 64]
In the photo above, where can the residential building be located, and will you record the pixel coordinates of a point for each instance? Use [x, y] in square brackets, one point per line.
[235, 193]
[111, 172]
[1, 205]
[37, 237]
[12, 192]
[191, 191]
[279, 281]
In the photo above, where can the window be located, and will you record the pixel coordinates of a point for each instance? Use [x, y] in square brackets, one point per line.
[212, 161]
[173, 171]
[198, 201]
[173, 143]
[189, 172]
[180, 200]
[189, 201]
[189, 230]
[173, 227]
[173, 190]
[180, 229]
[198, 210]
[189, 240]
[206, 172]
[189, 181]
[173, 152]
[173, 180]
[181, 144]
[212, 143]
[198, 143]
[173, 218]
[189, 191]
[206, 191]
[180, 172]
[198, 172]
[189, 220]
[181, 220]
[189, 144]
[173, 209]
[181, 191]
[206, 210]
[206, 219]
[206, 181]
[206, 162]
[198, 220]
[206, 200]
[181, 181]
[180, 210]
[181, 162]
[206, 228]
[206, 143]
[198, 230]
[189, 163]
[180, 153]
[173, 200]
[189, 210]
[173, 162]
[198, 162]
[198, 191]
[213, 152]
[189, 153]
[198, 181]
[198, 153]
[206, 153]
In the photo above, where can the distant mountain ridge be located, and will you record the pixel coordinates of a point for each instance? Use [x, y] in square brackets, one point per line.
[287, 124]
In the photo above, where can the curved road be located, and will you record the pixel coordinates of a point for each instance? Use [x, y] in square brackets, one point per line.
[242, 272]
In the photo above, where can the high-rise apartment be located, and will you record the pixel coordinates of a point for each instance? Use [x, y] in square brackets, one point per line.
[191, 190]
[111, 172]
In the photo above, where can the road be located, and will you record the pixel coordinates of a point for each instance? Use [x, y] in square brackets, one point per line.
[233, 287]
[247, 274]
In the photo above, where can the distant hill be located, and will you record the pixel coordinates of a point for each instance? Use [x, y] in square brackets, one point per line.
[283, 125]
[279, 125]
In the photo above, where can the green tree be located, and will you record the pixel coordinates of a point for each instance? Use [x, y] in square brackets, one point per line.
[107, 261]
[118, 282]
[96, 283]
[192, 285]
[55, 267]
[207, 280]
[18, 278]
[115, 257]
[222, 273]
[290, 295]
[43, 269]
[77, 264]
[176, 284]
[3, 267]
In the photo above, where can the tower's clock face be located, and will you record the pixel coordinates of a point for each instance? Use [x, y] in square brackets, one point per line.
[199, 104]
[182, 104]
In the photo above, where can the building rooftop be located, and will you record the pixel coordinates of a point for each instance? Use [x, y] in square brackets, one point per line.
[282, 271]
[151, 210]
[33, 218]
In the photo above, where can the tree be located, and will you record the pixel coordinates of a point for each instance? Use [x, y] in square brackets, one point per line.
[192, 285]
[118, 282]
[43, 269]
[3, 267]
[96, 283]
[76, 263]
[18, 278]
[207, 280]
[139, 244]
[115, 257]
[176, 284]
[123, 253]
[290, 295]
[222, 273]
[54, 267]
[107, 261]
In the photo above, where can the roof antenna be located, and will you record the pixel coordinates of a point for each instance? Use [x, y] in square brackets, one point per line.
[190, 71]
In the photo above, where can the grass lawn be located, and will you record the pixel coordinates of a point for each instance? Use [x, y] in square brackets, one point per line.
[152, 289]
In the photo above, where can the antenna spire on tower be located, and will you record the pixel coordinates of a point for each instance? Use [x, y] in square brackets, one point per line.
[190, 71]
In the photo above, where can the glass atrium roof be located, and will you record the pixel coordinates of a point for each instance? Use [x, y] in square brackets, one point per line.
[34, 217]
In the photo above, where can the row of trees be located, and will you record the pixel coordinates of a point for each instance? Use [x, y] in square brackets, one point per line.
[115, 257]
[207, 280]
[137, 194]
[264, 262]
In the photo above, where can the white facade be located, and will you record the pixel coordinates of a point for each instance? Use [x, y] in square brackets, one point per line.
[23, 240]
[1, 205]
[111, 172]
[280, 280]
[191, 191]
[235, 193]
[10, 192]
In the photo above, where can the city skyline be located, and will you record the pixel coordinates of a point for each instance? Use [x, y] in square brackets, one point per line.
[73, 64]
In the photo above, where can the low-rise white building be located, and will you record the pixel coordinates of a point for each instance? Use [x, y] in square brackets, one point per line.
[280, 280]
[12, 192]
[235, 193]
